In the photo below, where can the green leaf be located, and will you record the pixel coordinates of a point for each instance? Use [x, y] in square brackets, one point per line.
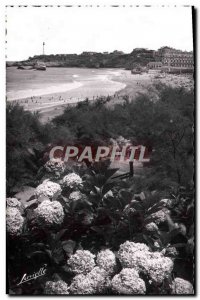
[107, 187]
[30, 255]
[60, 234]
[68, 246]
[110, 172]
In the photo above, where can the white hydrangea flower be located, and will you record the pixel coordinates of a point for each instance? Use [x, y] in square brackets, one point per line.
[94, 282]
[82, 285]
[133, 255]
[138, 256]
[99, 279]
[158, 267]
[13, 202]
[151, 227]
[49, 213]
[166, 202]
[14, 221]
[81, 262]
[76, 195]
[48, 189]
[106, 259]
[88, 219]
[72, 180]
[127, 210]
[160, 216]
[171, 251]
[180, 287]
[55, 165]
[128, 282]
[56, 288]
[108, 194]
[156, 244]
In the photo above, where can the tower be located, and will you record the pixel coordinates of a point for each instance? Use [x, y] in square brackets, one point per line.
[43, 47]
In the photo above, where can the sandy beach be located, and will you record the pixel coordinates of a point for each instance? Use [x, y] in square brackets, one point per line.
[51, 100]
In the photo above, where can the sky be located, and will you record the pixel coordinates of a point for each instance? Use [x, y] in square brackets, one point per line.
[76, 29]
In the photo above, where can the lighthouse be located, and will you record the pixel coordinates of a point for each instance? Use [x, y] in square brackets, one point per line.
[43, 47]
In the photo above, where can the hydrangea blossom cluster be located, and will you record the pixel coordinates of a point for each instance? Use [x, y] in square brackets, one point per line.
[160, 216]
[81, 285]
[56, 288]
[180, 286]
[88, 219]
[13, 202]
[166, 202]
[108, 195]
[151, 227]
[72, 180]
[48, 189]
[14, 221]
[49, 213]
[127, 210]
[138, 256]
[81, 262]
[128, 282]
[99, 278]
[55, 165]
[94, 282]
[158, 267]
[120, 141]
[106, 259]
[76, 195]
[170, 251]
[133, 255]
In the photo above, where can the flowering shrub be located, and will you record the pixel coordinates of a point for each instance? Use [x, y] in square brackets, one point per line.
[81, 262]
[82, 285]
[133, 255]
[127, 282]
[106, 260]
[76, 195]
[180, 286]
[152, 227]
[158, 267]
[14, 221]
[94, 282]
[48, 189]
[13, 202]
[72, 180]
[49, 213]
[55, 165]
[99, 279]
[153, 264]
[160, 216]
[56, 288]
[98, 237]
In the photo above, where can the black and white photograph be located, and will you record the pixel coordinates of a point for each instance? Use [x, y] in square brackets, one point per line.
[100, 150]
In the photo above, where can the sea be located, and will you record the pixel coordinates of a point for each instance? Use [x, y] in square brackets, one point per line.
[76, 83]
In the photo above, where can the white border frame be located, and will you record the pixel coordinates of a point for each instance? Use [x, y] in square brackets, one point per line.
[3, 3]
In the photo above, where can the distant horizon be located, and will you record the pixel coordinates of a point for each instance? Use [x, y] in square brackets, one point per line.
[102, 52]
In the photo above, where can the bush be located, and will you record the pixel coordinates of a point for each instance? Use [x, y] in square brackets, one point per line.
[107, 224]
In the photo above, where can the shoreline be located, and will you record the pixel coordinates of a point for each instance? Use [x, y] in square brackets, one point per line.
[51, 104]
[132, 85]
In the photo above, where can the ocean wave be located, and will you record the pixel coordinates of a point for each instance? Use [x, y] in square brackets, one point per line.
[27, 93]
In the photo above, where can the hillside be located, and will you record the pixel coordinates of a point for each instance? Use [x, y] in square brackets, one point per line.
[115, 59]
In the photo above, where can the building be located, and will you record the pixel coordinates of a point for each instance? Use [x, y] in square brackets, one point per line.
[116, 52]
[88, 53]
[155, 65]
[174, 58]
